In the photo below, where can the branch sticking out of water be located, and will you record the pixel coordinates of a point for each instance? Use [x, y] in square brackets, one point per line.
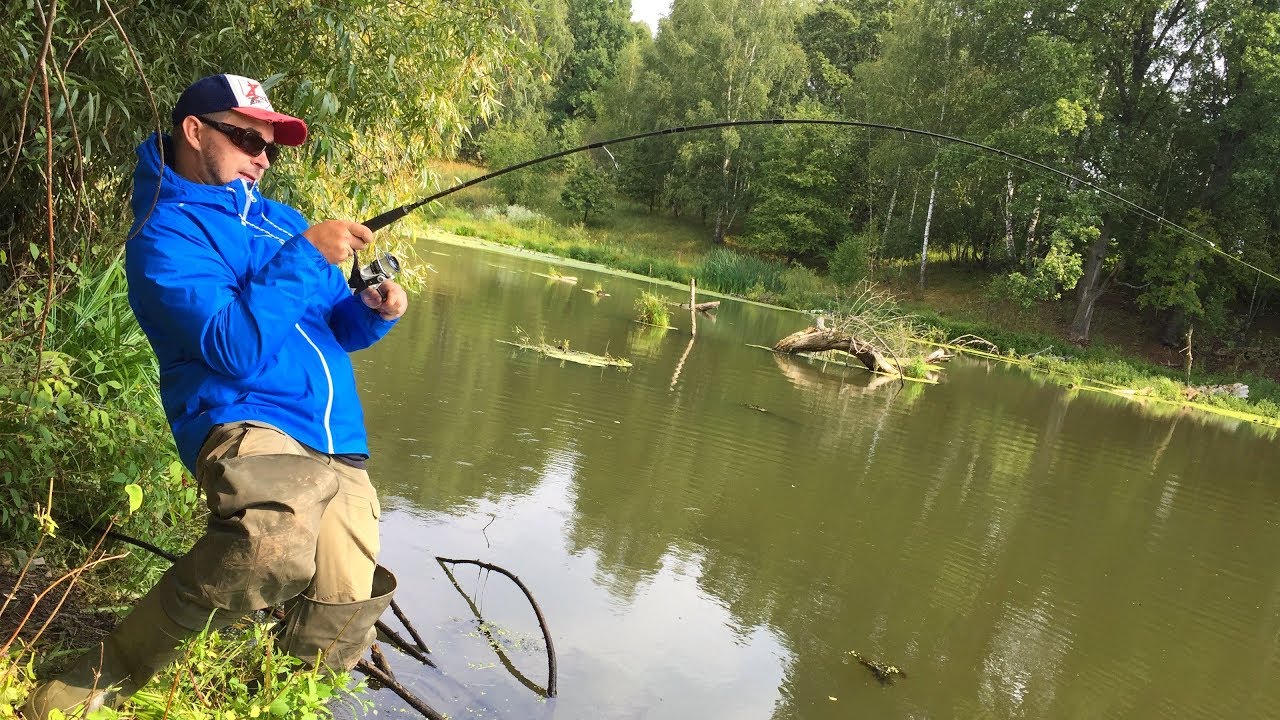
[542, 623]
[391, 683]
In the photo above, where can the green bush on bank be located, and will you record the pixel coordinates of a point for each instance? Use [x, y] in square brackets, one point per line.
[88, 417]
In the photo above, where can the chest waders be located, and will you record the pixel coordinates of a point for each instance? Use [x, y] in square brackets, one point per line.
[275, 509]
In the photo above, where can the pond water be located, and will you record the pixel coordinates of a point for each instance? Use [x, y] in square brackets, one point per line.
[712, 531]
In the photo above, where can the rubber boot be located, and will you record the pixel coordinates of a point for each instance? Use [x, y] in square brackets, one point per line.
[108, 673]
[339, 633]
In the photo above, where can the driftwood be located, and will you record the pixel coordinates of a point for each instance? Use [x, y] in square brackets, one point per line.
[884, 672]
[816, 339]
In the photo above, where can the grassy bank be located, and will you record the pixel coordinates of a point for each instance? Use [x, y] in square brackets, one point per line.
[1013, 335]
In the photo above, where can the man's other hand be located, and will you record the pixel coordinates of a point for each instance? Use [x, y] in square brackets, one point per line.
[338, 239]
[388, 298]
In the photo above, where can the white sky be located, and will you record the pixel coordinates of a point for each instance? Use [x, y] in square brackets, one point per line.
[648, 11]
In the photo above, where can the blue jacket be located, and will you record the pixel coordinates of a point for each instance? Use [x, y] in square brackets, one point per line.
[247, 319]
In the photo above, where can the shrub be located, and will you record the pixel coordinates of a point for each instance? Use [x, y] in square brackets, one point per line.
[850, 260]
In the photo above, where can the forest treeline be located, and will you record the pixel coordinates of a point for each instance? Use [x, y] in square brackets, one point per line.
[1167, 103]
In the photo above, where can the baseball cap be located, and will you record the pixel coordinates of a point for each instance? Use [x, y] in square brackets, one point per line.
[243, 95]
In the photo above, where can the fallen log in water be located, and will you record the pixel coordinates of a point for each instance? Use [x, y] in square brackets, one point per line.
[819, 338]
[816, 339]
[702, 306]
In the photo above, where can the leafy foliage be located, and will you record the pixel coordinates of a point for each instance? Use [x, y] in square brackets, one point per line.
[1061, 267]
[587, 190]
[89, 420]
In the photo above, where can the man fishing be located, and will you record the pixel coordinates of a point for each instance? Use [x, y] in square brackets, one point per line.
[252, 322]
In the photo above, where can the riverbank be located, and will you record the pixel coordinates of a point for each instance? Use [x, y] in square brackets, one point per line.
[1008, 334]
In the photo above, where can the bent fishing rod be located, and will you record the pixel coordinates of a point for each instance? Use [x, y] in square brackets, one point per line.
[361, 277]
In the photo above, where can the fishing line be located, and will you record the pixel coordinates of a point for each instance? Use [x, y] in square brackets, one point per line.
[390, 216]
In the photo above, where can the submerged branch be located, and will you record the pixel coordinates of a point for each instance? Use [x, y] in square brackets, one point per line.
[542, 623]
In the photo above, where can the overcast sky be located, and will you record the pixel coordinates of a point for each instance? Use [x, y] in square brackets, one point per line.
[648, 11]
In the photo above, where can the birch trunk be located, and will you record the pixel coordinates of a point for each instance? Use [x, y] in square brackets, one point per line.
[1008, 218]
[928, 219]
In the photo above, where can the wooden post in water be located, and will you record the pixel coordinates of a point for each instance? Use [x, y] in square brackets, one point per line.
[693, 330]
[693, 304]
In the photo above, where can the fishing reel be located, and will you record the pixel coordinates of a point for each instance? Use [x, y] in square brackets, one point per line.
[383, 268]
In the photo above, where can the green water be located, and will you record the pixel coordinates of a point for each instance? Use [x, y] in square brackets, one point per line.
[1017, 549]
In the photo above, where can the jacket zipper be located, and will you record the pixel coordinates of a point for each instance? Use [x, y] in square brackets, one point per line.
[328, 407]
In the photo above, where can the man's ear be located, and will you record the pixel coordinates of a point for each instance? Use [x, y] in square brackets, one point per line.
[190, 129]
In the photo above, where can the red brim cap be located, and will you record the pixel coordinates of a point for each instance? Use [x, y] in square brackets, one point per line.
[289, 130]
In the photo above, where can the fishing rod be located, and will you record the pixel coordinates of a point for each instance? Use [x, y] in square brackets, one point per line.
[358, 274]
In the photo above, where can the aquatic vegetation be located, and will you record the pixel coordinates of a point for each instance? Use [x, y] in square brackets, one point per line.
[916, 368]
[652, 309]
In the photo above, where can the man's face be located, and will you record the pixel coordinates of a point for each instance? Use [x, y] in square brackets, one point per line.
[220, 161]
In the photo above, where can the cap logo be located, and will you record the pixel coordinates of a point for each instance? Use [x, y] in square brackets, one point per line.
[252, 95]
[248, 92]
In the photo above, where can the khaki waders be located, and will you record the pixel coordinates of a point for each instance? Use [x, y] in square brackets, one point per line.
[287, 525]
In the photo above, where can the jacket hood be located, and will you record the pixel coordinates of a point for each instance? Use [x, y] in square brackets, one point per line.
[151, 174]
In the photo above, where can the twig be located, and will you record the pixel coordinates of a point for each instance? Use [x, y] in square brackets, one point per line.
[21, 576]
[70, 586]
[404, 620]
[542, 623]
[70, 574]
[403, 645]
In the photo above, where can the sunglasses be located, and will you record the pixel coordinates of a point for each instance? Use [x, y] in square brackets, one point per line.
[249, 141]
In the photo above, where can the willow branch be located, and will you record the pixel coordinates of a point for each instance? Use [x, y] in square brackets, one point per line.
[155, 110]
[26, 96]
[38, 366]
